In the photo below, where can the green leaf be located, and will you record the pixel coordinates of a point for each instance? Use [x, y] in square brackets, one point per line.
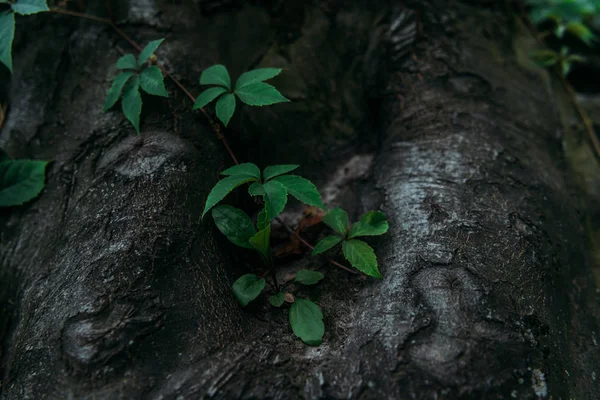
[261, 242]
[132, 102]
[276, 170]
[20, 181]
[115, 91]
[247, 288]
[576, 58]
[255, 76]
[225, 108]
[581, 31]
[274, 195]
[260, 94]
[373, 223]
[148, 51]
[152, 81]
[223, 188]
[361, 256]
[277, 300]
[261, 221]
[243, 169]
[207, 96]
[216, 75]
[326, 244]
[306, 320]
[27, 7]
[301, 188]
[126, 62]
[7, 33]
[565, 67]
[307, 277]
[545, 58]
[235, 224]
[337, 219]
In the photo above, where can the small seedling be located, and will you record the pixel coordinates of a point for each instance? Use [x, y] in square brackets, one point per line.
[250, 88]
[7, 24]
[20, 180]
[136, 75]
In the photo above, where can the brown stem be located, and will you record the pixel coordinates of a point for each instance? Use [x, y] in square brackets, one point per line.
[293, 232]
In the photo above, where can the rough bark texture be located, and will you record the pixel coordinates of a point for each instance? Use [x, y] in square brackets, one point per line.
[112, 287]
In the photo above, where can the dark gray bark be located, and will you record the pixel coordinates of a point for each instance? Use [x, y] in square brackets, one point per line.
[114, 288]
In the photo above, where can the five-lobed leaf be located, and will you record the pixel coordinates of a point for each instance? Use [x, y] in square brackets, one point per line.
[216, 75]
[225, 108]
[261, 242]
[132, 102]
[235, 224]
[260, 94]
[7, 33]
[28, 7]
[148, 51]
[326, 244]
[152, 81]
[223, 188]
[337, 219]
[247, 288]
[306, 320]
[277, 300]
[207, 96]
[276, 170]
[127, 62]
[301, 188]
[21, 181]
[373, 223]
[117, 87]
[361, 256]
[307, 277]
[249, 169]
[255, 76]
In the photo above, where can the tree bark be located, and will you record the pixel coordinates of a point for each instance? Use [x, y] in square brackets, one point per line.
[112, 286]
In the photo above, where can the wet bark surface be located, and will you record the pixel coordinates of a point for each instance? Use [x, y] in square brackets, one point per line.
[112, 286]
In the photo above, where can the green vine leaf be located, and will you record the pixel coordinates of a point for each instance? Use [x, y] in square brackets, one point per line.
[581, 31]
[223, 188]
[152, 81]
[326, 244]
[207, 96]
[260, 94]
[545, 58]
[337, 219]
[249, 169]
[148, 51]
[132, 102]
[277, 300]
[21, 181]
[28, 7]
[276, 170]
[261, 220]
[127, 62]
[216, 75]
[274, 196]
[255, 76]
[117, 87]
[247, 288]
[7, 33]
[373, 223]
[362, 257]
[225, 108]
[235, 224]
[301, 188]
[306, 320]
[307, 277]
[262, 243]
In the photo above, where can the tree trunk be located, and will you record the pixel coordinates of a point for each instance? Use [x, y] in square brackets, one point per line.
[112, 286]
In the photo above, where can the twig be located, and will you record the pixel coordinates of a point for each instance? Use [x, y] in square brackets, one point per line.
[293, 232]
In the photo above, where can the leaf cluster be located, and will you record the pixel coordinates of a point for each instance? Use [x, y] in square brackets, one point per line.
[567, 16]
[20, 180]
[549, 58]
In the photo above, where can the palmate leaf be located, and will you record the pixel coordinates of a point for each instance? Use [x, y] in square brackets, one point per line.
[326, 244]
[249, 169]
[301, 188]
[7, 33]
[306, 320]
[28, 7]
[373, 223]
[216, 75]
[260, 94]
[337, 219]
[247, 288]
[255, 76]
[152, 81]
[225, 108]
[235, 224]
[361, 256]
[307, 277]
[207, 96]
[132, 102]
[223, 188]
[276, 170]
[21, 181]
[117, 87]
[148, 51]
